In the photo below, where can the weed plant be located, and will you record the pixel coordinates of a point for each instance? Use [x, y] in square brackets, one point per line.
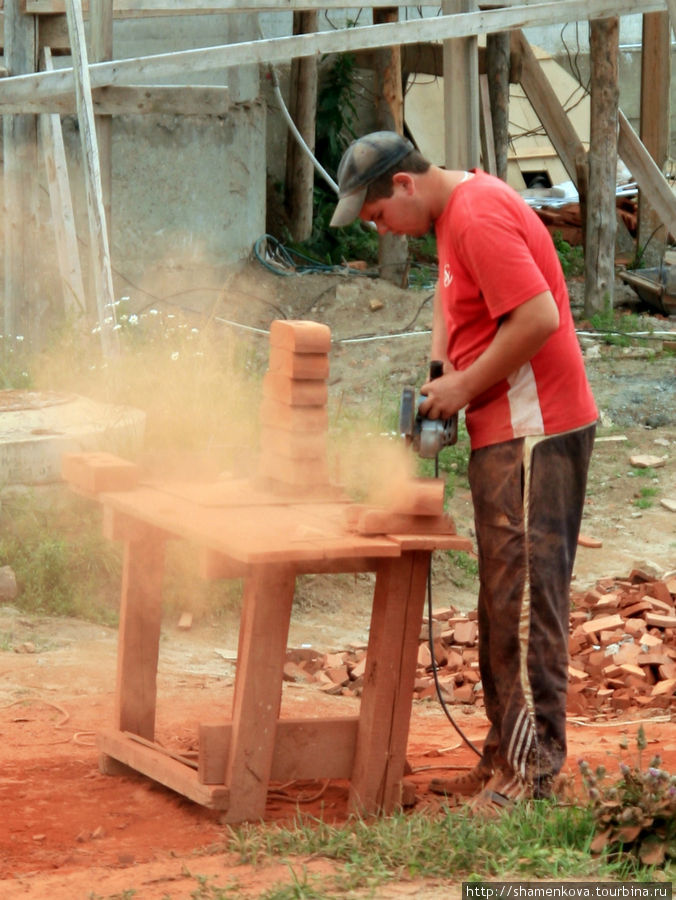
[634, 816]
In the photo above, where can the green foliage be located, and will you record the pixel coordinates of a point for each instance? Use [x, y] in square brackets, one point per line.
[645, 497]
[62, 563]
[570, 257]
[536, 840]
[636, 814]
[617, 327]
[14, 365]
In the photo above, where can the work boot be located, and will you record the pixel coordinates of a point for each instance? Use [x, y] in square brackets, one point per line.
[466, 785]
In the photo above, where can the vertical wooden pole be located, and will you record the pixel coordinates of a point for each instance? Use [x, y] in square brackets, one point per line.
[601, 203]
[21, 206]
[101, 39]
[392, 248]
[98, 229]
[54, 154]
[303, 110]
[497, 72]
[461, 94]
[654, 125]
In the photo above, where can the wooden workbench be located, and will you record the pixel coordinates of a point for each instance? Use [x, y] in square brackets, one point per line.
[243, 532]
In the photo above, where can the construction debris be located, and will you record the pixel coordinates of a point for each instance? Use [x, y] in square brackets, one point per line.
[622, 652]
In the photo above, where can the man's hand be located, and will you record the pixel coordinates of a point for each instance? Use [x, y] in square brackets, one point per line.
[445, 395]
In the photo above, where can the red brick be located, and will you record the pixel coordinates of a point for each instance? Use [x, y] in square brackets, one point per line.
[300, 336]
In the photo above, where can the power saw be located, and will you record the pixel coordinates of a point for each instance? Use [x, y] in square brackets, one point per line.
[426, 436]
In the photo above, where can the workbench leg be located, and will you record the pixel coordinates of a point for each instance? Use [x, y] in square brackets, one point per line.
[139, 634]
[387, 697]
[264, 629]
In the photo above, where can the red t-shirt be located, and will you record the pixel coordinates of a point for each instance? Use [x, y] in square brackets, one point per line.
[494, 254]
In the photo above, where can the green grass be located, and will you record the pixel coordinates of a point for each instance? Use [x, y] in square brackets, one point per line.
[537, 841]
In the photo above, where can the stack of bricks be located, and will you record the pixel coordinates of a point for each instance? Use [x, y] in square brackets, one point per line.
[294, 414]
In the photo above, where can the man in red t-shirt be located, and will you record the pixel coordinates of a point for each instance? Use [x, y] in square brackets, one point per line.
[503, 326]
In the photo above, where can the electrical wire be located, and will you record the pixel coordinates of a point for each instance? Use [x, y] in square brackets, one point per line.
[274, 256]
[430, 638]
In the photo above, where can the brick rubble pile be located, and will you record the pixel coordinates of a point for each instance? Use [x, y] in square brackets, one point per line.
[622, 652]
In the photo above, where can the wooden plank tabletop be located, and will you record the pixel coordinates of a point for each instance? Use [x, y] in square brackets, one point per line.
[277, 533]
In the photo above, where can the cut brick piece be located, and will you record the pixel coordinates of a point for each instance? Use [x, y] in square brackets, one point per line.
[97, 472]
[668, 686]
[376, 521]
[294, 391]
[419, 497]
[465, 633]
[647, 461]
[603, 623]
[310, 366]
[585, 540]
[300, 336]
[659, 620]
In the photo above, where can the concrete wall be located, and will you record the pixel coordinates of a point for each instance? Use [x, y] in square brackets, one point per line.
[188, 195]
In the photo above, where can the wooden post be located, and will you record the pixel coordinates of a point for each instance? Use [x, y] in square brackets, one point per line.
[392, 248]
[601, 203]
[303, 110]
[101, 38]
[20, 185]
[497, 72]
[654, 127]
[98, 230]
[461, 95]
[53, 151]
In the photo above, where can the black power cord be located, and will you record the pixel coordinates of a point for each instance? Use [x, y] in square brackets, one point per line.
[430, 638]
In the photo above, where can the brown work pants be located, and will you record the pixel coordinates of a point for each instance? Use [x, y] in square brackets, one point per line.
[528, 498]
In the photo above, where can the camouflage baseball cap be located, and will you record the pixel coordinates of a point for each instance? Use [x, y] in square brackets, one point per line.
[365, 159]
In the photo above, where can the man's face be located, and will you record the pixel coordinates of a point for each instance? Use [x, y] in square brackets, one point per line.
[402, 213]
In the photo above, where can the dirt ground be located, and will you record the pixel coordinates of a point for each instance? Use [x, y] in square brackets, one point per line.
[70, 832]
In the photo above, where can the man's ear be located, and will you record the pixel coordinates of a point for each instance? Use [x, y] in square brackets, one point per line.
[404, 180]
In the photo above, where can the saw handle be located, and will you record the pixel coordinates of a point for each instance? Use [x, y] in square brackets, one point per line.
[436, 369]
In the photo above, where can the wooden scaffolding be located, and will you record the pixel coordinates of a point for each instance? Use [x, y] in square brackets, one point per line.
[34, 94]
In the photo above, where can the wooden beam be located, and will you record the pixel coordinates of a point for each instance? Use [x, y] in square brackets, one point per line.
[549, 110]
[101, 42]
[136, 99]
[499, 74]
[20, 186]
[461, 95]
[601, 204]
[98, 229]
[63, 220]
[299, 178]
[389, 116]
[138, 8]
[347, 40]
[654, 127]
[487, 137]
[647, 174]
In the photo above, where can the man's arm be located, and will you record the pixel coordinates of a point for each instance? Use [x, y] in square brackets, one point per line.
[519, 337]
[439, 348]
